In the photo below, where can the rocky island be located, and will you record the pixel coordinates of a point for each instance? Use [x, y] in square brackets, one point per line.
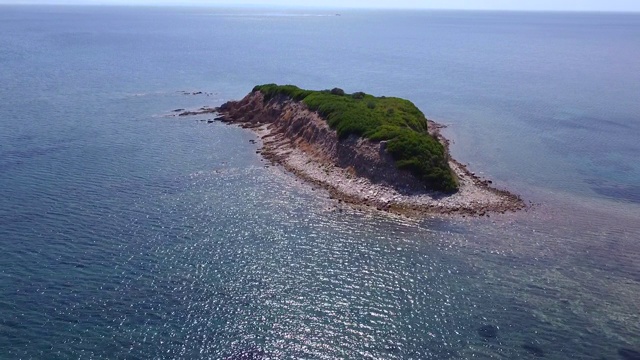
[365, 150]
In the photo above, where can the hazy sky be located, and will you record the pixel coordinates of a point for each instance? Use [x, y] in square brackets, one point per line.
[579, 5]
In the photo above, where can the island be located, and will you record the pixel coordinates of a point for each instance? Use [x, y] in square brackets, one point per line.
[364, 150]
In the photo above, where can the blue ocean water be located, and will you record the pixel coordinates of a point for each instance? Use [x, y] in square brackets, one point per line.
[128, 233]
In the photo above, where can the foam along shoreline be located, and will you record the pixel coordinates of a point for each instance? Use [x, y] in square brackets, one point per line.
[356, 170]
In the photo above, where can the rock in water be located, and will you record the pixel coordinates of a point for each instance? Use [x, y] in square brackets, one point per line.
[488, 331]
[533, 349]
[628, 354]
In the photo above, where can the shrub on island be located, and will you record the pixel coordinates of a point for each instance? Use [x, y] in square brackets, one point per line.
[397, 121]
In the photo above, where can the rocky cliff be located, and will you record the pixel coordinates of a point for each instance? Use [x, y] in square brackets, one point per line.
[293, 122]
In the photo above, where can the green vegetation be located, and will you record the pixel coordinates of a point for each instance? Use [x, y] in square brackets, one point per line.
[395, 120]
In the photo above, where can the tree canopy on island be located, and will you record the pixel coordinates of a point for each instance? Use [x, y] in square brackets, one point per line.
[397, 121]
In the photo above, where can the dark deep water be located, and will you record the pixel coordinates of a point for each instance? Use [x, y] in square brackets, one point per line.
[129, 234]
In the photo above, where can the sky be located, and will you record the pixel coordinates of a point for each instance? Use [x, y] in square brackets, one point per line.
[536, 5]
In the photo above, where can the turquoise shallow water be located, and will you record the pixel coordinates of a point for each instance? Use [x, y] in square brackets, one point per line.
[130, 234]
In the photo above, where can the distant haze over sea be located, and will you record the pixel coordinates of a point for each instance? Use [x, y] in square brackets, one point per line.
[527, 5]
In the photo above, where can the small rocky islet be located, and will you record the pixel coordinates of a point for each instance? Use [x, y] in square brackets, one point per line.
[380, 152]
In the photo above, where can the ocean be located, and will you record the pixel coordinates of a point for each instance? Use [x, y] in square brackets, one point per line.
[129, 233]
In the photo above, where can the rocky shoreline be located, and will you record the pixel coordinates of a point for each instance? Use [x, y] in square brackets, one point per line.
[355, 170]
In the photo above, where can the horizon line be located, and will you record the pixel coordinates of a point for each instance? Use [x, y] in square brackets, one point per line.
[315, 7]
